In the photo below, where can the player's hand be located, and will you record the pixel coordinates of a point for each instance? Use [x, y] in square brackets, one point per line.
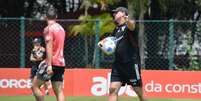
[100, 43]
[126, 18]
[49, 70]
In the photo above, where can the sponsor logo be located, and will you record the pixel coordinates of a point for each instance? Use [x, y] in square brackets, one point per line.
[153, 86]
[101, 84]
[15, 83]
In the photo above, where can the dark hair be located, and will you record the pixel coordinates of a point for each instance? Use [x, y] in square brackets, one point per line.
[51, 13]
[36, 40]
[122, 9]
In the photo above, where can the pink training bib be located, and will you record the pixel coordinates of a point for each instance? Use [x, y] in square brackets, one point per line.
[56, 33]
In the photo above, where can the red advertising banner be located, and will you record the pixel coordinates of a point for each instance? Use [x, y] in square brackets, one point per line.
[172, 84]
[15, 82]
[95, 82]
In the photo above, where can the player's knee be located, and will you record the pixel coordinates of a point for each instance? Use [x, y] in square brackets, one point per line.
[58, 90]
[35, 86]
[113, 91]
[35, 90]
[57, 87]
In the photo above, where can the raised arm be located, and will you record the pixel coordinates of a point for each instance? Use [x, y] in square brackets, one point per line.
[130, 23]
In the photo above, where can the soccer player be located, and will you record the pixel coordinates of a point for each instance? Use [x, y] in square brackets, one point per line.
[37, 55]
[126, 66]
[54, 35]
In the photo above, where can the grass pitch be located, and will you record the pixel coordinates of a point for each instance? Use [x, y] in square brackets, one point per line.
[52, 98]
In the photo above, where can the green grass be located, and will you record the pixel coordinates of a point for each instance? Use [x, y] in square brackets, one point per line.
[52, 98]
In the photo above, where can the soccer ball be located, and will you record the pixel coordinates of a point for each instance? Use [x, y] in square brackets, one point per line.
[108, 45]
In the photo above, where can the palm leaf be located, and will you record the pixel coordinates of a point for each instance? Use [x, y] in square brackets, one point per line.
[88, 25]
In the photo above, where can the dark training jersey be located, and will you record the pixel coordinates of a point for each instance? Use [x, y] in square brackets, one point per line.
[38, 53]
[127, 49]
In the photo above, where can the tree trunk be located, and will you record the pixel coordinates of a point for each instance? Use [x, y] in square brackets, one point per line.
[85, 36]
[86, 51]
[141, 25]
[141, 33]
[131, 9]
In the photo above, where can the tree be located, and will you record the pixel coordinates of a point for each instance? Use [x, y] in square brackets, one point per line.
[87, 27]
[181, 10]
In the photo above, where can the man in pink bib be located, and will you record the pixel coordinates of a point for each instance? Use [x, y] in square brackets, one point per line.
[54, 36]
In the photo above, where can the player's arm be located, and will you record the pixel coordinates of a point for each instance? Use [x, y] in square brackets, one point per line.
[49, 41]
[49, 56]
[49, 52]
[32, 57]
[130, 23]
[43, 49]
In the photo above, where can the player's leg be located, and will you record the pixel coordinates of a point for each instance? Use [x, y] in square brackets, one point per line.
[113, 91]
[46, 85]
[36, 84]
[57, 82]
[139, 92]
[36, 89]
[116, 82]
[136, 80]
[32, 75]
[58, 90]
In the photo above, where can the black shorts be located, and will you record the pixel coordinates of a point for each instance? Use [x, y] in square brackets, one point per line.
[34, 69]
[58, 73]
[33, 72]
[127, 73]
